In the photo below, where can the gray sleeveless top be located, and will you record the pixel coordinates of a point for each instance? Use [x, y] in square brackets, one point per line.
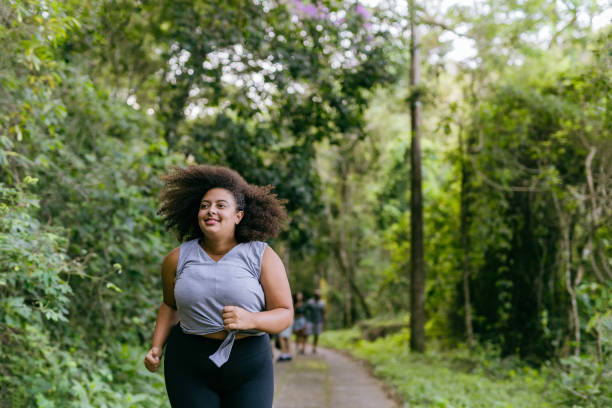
[204, 286]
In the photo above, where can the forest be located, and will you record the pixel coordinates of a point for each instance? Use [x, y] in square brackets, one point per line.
[487, 124]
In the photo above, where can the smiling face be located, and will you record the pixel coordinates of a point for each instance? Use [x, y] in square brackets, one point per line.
[219, 214]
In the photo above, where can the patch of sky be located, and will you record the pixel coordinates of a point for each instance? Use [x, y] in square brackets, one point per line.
[131, 101]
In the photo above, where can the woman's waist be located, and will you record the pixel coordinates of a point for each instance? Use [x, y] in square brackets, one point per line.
[204, 323]
[207, 346]
[215, 331]
[221, 335]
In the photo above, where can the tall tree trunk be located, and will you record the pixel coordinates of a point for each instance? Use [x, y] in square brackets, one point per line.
[417, 267]
[465, 239]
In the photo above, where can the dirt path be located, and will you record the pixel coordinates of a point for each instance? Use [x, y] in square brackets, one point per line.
[326, 380]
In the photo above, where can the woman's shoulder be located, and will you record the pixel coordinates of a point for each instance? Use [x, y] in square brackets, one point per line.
[187, 248]
[256, 246]
[173, 255]
[256, 253]
[170, 262]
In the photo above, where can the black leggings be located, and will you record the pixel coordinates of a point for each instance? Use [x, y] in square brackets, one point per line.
[193, 381]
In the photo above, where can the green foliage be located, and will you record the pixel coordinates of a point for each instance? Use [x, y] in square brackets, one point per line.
[39, 366]
[34, 259]
[34, 291]
[528, 135]
[584, 382]
[112, 210]
[78, 235]
[534, 139]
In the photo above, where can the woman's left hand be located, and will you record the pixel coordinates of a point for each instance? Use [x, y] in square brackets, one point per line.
[237, 318]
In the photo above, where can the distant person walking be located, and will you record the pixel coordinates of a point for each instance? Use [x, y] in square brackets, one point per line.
[299, 322]
[284, 339]
[316, 318]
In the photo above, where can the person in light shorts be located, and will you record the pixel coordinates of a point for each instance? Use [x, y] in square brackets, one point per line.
[284, 338]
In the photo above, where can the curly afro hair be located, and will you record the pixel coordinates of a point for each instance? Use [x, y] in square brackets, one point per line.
[184, 188]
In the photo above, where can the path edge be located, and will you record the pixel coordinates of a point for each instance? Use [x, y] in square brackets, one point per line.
[389, 389]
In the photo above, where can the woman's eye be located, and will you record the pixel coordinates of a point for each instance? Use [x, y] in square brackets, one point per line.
[202, 206]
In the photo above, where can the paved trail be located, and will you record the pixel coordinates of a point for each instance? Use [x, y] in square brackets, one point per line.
[326, 380]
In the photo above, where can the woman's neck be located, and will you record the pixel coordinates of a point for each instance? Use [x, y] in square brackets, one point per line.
[217, 247]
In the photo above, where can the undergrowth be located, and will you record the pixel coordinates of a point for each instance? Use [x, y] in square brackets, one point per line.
[448, 379]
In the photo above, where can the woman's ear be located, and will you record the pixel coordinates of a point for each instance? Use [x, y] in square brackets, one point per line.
[239, 216]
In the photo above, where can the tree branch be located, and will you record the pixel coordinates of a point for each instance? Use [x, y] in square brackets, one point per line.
[430, 21]
[500, 186]
[553, 40]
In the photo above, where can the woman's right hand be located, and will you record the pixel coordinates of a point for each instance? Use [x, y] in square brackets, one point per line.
[152, 359]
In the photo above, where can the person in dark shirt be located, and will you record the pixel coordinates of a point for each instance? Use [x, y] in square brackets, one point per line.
[299, 322]
[316, 318]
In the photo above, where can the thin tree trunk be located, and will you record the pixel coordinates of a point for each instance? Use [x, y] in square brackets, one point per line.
[604, 259]
[417, 273]
[465, 242]
[347, 269]
[341, 248]
[348, 317]
[567, 258]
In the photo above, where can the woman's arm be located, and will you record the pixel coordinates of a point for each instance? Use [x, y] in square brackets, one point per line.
[279, 313]
[166, 314]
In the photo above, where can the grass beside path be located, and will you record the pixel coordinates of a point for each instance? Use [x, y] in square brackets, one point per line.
[446, 379]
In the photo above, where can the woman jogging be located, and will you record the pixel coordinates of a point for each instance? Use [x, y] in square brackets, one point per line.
[224, 290]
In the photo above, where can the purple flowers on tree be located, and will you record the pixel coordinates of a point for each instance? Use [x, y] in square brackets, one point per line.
[365, 14]
[318, 11]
